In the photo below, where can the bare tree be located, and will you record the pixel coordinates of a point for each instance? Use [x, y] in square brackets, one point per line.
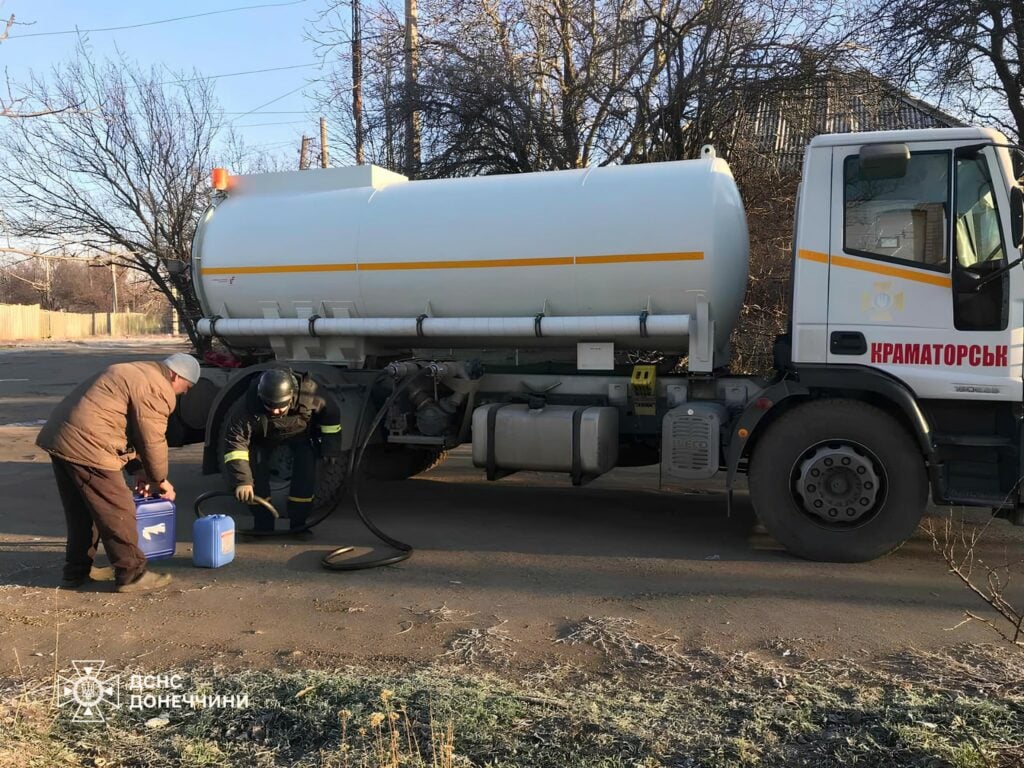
[124, 175]
[232, 152]
[12, 106]
[967, 55]
[364, 92]
[524, 85]
[64, 282]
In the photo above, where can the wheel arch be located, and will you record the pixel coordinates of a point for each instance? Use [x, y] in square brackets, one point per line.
[236, 386]
[814, 382]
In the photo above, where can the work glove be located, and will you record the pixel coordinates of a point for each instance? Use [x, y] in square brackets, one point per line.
[245, 494]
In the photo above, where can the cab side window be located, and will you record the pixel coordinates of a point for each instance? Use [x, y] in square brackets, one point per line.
[978, 238]
[981, 289]
[900, 220]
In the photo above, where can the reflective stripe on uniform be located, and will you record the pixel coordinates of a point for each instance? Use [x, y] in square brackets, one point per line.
[330, 429]
[236, 456]
[300, 498]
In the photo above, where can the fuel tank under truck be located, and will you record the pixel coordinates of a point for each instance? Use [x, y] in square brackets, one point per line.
[360, 260]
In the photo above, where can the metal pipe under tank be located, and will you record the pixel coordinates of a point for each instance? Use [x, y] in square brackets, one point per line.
[595, 327]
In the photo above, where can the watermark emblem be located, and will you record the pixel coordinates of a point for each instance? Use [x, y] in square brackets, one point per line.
[89, 691]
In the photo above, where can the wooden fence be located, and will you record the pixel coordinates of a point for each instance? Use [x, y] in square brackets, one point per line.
[30, 321]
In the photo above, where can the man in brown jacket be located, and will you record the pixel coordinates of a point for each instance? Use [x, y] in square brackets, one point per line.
[118, 416]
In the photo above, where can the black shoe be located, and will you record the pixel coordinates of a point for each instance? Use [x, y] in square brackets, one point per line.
[74, 583]
[95, 574]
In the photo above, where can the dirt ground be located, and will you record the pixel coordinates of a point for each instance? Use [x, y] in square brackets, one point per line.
[529, 553]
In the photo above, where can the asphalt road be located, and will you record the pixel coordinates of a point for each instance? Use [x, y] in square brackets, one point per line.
[529, 553]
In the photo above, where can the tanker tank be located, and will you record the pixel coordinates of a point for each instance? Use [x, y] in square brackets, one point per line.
[362, 261]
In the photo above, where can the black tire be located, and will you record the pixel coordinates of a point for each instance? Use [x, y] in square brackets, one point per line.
[398, 462]
[794, 446]
[330, 478]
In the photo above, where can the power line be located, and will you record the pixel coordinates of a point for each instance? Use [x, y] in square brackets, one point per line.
[237, 74]
[271, 144]
[272, 101]
[161, 21]
[260, 125]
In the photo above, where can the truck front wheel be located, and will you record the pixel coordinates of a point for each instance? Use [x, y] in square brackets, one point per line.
[838, 480]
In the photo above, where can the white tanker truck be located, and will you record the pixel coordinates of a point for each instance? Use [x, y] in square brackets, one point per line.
[520, 305]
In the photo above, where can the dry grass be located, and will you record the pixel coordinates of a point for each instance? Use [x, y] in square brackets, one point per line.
[475, 646]
[653, 705]
[617, 639]
[442, 614]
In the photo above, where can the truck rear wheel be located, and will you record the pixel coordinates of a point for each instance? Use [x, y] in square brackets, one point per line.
[330, 478]
[398, 462]
[838, 480]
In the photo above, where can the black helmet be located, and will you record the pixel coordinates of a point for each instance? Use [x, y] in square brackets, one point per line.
[276, 388]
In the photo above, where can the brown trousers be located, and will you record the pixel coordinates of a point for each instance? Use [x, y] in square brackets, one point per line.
[98, 506]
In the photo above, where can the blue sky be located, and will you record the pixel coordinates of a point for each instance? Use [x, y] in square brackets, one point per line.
[257, 38]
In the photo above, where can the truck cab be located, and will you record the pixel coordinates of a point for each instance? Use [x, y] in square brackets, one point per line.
[906, 272]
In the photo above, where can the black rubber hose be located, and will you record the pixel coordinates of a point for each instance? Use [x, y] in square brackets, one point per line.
[204, 497]
[331, 561]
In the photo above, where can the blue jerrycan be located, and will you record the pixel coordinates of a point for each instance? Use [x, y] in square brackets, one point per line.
[213, 541]
[154, 518]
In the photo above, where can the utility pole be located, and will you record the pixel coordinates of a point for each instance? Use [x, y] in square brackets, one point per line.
[304, 154]
[113, 281]
[412, 115]
[323, 142]
[357, 79]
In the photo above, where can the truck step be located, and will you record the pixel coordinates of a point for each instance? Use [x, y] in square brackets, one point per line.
[978, 441]
[970, 497]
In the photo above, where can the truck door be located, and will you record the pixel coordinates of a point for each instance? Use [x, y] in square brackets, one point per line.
[915, 287]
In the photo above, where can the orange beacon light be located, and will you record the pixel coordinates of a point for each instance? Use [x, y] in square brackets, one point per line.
[219, 179]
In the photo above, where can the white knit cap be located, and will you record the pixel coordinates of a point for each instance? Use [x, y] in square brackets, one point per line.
[184, 365]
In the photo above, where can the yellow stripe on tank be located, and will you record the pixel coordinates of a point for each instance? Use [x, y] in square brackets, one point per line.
[554, 261]
[633, 258]
[565, 261]
[278, 270]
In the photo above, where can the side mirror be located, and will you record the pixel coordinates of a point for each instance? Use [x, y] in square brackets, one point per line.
[1017, 216]
[884, 161]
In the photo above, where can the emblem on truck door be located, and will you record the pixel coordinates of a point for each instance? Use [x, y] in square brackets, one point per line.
[881, 302]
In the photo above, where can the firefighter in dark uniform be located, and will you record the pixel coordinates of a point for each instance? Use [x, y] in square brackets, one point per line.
[282, 408]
